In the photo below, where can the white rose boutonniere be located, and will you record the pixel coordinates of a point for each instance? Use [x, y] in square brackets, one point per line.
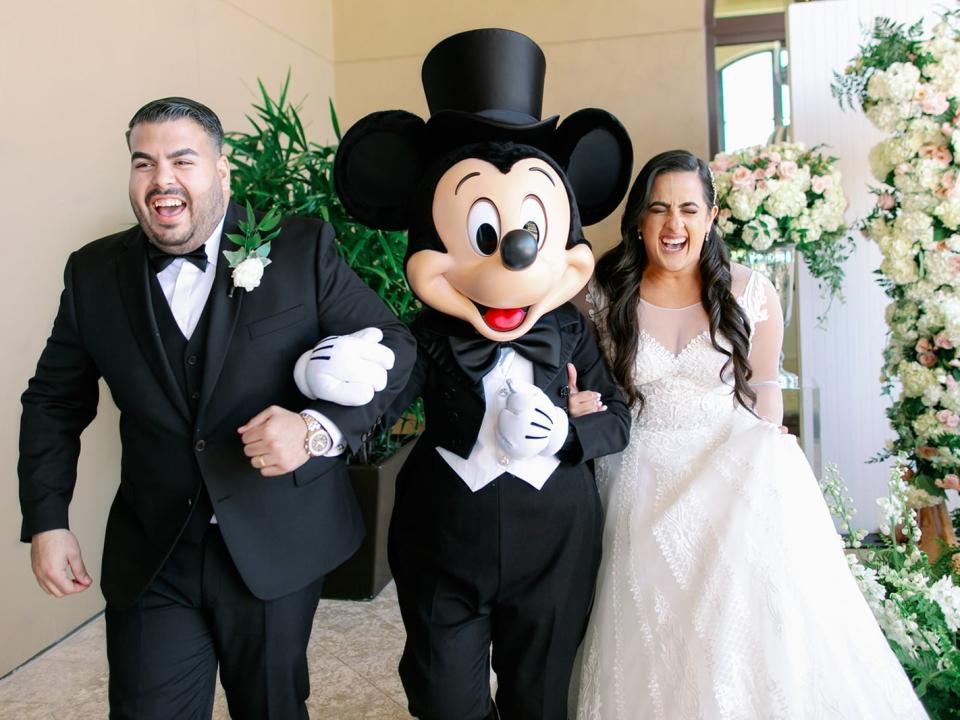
[254, 239]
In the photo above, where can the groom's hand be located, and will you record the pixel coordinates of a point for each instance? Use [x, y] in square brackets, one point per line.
[273, 439]
[57, 564]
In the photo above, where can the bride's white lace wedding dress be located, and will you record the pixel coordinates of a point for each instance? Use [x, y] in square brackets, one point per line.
[724, 591]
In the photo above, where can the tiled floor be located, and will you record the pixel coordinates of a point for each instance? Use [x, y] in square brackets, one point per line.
[353, 656]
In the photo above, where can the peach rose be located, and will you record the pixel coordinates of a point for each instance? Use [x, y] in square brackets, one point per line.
[949, 482]
[942, 341]
[935, 103]
[926, 452]
[886, 201]
[787, 170]
[820, 183]
[742, 178]
[927, 359]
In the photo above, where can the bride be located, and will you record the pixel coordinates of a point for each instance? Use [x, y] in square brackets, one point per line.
[723, 591]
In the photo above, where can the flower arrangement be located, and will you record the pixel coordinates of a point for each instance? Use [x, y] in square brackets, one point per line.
[908, 84]
[916, 604]
[784, 194]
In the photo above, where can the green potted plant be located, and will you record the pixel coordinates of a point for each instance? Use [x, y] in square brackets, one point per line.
[274, 166]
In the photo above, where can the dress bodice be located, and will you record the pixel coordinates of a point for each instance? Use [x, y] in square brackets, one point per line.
[678, 370]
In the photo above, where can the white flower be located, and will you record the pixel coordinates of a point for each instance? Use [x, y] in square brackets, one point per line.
[880, 165]
[247, 274]
[949, 213]
[786, 199]
[761, 232]
[947, 596]
[901, 81]
[743, 204]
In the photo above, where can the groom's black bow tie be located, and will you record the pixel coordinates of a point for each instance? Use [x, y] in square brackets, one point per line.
[476, 355]
[160, 260]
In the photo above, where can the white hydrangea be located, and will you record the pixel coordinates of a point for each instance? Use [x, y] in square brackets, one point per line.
[805, 229]
[786, 199]
[915, 378]
[827, 215]
[950, 306]
[943, 267]
[949, 213]
[914, 227]
[901, 81]
[761, 232]
[880, 165]
[743, 204]
[919, 202]
[945, 74]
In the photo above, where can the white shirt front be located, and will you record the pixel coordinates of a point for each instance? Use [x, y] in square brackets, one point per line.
[487, 461]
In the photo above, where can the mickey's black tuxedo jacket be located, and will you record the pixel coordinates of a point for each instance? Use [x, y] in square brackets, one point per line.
[454, 406]
[282, 532]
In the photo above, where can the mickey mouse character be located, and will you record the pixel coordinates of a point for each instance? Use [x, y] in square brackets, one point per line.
[495, 535]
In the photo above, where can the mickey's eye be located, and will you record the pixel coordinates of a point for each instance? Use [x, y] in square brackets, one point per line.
[534, 218]
[483, 227]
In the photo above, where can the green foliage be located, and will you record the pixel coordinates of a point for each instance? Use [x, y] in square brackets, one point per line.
[275, 168]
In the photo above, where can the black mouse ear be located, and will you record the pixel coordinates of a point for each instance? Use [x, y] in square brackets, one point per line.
[377, 168]
[595, 150]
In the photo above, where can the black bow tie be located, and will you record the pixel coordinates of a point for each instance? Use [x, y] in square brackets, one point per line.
[161, 260]
[476, 355]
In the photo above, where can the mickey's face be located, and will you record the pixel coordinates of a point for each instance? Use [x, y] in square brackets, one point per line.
[506, 261]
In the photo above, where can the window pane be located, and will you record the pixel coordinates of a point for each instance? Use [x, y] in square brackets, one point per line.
[746, 88]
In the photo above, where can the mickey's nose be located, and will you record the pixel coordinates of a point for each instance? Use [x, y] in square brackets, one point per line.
[518, 249]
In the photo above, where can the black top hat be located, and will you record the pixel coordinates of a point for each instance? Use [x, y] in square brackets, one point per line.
[481, 86]
[487, 85]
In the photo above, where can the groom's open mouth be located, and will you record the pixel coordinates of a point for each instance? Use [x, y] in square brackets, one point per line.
[167, 207]
[502, 319]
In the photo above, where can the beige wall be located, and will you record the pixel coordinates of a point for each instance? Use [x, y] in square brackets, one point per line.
[73, 74]
[641, 60]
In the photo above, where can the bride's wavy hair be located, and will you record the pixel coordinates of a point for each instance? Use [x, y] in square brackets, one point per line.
[620, 270]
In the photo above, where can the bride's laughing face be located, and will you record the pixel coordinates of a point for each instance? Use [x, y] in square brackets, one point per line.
[675, 221]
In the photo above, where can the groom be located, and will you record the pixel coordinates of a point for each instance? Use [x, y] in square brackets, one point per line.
[232, 504]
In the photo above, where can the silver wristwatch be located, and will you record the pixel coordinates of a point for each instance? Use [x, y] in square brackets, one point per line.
[318, 440]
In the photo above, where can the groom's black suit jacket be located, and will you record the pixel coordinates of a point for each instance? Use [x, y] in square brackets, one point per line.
[282, 532]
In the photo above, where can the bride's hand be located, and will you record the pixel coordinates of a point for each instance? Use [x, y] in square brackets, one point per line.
[581, 402]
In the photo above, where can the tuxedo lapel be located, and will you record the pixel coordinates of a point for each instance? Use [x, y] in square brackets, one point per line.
[224, 311]
[134, 281]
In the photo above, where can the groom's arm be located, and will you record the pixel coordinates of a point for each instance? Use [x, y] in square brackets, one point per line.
[346, 304]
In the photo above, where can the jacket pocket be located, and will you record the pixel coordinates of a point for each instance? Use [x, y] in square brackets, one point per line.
[279, 321]
[312, 469]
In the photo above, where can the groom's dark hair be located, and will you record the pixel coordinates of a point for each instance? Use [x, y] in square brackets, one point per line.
[177, 108]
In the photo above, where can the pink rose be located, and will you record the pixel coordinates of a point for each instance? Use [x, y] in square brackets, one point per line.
[902, 169]
[948, 419]
[724, 213]
[761, 184]
[942, 341]
[788, 169]
[923, 345]
[922, 93]
[742, 178]
[771, 170]
[947, 129]
[886, 201]
[820, 183]
[759, 174]
[927, 359]
[935, 103]
[941, 154]
[721, 163]
[927, 151]
[949, 482]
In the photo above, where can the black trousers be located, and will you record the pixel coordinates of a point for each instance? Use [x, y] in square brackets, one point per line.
[509, 569]
[164, 651]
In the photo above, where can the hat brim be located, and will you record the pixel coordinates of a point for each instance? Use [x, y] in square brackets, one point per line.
[451, 128]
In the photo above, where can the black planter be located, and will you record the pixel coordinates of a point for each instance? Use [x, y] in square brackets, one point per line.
[364, 575]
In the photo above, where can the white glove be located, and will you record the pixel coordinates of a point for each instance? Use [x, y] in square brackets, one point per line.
[530, 424]
[345, 369]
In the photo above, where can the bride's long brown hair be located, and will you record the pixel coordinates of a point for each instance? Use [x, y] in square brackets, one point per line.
[620, 270]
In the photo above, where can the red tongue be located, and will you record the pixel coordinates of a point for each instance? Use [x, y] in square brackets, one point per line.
[504, 319]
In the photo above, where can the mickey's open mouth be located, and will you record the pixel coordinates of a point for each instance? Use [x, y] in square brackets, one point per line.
[502, 319]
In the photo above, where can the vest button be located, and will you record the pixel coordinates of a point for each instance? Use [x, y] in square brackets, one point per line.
[192, 360]
[199, 446]
[195, 395]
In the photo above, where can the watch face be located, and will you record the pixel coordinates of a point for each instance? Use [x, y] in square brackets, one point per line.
[319, 442]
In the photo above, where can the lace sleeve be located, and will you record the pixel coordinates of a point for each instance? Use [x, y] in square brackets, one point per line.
[762, 306]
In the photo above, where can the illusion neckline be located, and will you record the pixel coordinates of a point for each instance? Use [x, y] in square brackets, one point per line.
[660, 307]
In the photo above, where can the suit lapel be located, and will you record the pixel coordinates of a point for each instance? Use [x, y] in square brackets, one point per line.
[132, 269]
[224, 311]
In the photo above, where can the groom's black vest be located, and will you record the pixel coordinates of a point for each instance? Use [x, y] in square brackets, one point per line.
[186, 360]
